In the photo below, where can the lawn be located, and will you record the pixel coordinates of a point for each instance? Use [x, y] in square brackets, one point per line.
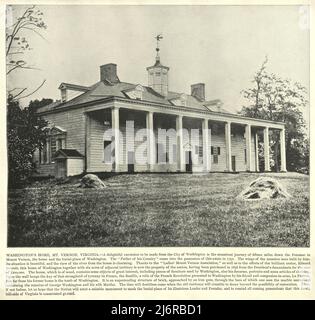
[159, 210]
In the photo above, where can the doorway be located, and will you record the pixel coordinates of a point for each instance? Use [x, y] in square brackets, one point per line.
[131, 162]
[233, 163]
[188, 161]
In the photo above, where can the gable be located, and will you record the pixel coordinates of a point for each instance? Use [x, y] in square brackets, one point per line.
[135, 93]
[181, 100]
[55, 130]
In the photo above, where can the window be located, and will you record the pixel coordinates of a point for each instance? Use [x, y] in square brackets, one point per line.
[60, 143]
[216, 150]
[56, 140]
[107, 152]
[135, 93]
[53, 147]
[44, 154]
[158, 73]
[245, 155]
[199, 150]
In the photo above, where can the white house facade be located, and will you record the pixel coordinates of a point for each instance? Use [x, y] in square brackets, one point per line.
[115, 126]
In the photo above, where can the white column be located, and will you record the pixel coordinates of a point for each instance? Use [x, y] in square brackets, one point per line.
[180, 146]
[283, 153]
[228, 146]
[256, 152]
[115, 134]
[266, 149]
[248, 135]
[205, 149]
[150, 137]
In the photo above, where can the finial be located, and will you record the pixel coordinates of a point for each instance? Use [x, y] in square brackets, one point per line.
[158, 38]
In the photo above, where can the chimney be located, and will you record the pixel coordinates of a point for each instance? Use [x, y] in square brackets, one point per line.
[198, 91]
[109, 72]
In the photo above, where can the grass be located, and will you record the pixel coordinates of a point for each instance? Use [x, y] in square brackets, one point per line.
[159, 210]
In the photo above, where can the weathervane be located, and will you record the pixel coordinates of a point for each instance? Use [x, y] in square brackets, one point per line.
[158, 38]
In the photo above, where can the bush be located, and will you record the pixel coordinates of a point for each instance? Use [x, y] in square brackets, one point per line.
[25, 133]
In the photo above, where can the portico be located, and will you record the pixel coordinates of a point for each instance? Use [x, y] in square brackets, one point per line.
[206, 147]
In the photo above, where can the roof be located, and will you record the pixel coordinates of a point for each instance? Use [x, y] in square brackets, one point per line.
[68, 153]
[158, 64]
[71, 86]
[101, 90]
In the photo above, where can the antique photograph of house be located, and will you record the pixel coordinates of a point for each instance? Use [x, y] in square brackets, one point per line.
[154, 133]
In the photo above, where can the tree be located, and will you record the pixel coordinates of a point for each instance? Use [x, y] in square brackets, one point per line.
[25, 133]
[278, 99]
[31, 20]
[255, 94]
[25, 129]
[35, 104]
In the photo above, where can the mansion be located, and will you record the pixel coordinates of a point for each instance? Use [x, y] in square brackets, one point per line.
[96, 129]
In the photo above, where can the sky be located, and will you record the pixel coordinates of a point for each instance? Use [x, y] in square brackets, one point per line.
[221, 46]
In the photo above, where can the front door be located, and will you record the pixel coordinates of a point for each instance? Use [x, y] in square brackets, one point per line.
[233, 163]
[188, 161]
[131, 161]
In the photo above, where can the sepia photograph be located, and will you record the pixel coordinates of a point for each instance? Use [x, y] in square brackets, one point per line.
[158, 126]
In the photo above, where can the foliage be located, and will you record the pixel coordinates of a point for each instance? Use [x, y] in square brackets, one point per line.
[17, 45]
[278, 99]
[149, 214]
[35, 104]
[25, 133]
[25, 130]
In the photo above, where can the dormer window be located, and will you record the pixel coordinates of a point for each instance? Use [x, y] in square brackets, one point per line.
[183, 100]
[135, 93]
[180, 100]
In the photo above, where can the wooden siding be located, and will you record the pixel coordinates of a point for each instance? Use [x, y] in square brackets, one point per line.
[74, 122]
[74, 166]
